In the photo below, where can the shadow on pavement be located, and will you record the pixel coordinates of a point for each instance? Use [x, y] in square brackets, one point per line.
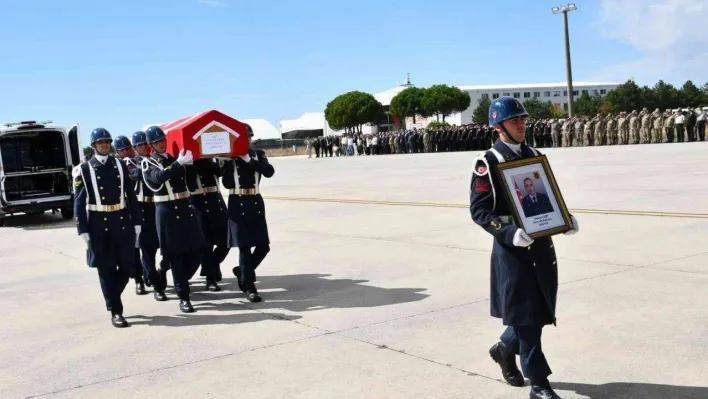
[196, 319]
[308, 292]
[43, 221]
[631, 390]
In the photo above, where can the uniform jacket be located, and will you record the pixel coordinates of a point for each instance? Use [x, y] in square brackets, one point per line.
[524, 281]
[112, 234]
[148, 235]
[203, 183]
[178, 229]
[247, 218]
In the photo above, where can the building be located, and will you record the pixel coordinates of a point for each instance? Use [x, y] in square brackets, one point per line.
[556, 93]
[309, 124]
[262, 129]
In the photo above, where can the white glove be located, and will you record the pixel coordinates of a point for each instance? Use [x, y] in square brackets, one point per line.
[86, 238]
[575, 229]
[185, 158]
[521, 239]
[137, 236]
[246, 158]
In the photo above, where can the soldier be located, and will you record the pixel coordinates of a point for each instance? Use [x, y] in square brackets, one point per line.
[690, 123]
[634, 127]
[578, 130]
[623, 127]
[108, 220]
[148, 240]
[668, 126]
[524, 272]
[178, 230]
[565, 132]
[247, 219]
[679, 120]
[701, 124]
[556, 132]
[611, 130]
[203, 183]
[600, 133]
[657, 123]
[645, 135]
[588, 134]
[124, 150]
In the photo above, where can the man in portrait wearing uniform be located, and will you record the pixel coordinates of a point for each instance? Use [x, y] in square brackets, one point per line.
[247, 219]
[124, 150]
[203, 183]
[108, 220]
[178, 231]
[149, 243]
[524, 271]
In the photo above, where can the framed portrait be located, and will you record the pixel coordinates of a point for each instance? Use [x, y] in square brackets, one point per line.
[537, 203]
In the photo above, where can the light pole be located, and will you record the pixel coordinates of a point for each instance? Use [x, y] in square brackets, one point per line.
[565, 9]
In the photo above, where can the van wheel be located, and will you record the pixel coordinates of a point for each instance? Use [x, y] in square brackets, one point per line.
[67, 213]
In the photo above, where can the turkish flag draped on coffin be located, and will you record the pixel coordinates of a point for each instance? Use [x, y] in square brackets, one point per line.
[209, 134]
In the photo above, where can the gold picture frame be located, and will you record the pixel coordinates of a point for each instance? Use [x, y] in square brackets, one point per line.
[538, 208]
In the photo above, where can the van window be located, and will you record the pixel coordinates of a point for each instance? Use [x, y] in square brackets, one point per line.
[33, 151]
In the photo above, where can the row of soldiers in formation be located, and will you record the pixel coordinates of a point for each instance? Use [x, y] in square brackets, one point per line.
[623, 128]
[130, 206]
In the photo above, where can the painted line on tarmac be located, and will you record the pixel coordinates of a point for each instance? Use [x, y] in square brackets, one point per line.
[444, 205]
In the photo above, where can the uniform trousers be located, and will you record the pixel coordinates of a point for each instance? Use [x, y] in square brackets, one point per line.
[183, 265]
[113, 280]
[149, 253]
[212, 257]
[701, 129]
[525, 341]
[249, 261]
[137, 272]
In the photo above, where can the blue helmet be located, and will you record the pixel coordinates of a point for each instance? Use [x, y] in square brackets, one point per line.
[99, 134]
[504, 108]
[139, 138]
[122, 143]
[250, 131]
[154, 134]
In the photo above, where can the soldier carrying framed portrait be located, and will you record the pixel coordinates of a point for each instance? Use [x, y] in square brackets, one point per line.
[538, 205]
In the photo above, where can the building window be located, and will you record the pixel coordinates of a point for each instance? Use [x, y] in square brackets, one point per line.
[556, 93]
[565, 93]
[585, 92]
[575, 92]
[595, 92]
[485, 96]
[517, 95]
[495, 95]
[506, 94]
[603, 91]
[527, 94]
[536, 94]
[546, 93]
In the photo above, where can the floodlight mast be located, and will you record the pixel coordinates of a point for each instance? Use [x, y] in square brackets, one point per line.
[564, 9]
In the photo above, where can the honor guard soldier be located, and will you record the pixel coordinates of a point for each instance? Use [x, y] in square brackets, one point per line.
[203, 183]
[108, 220]
[124, 149]
[247, 219]
[149, 243]
[524, 272]
[178, 230]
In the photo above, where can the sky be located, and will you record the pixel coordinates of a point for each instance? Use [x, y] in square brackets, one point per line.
[124, 64]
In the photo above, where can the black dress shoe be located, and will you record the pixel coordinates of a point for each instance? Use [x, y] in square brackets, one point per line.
[252, 294]
[186, 306]
[140, 289]
[212, 286]
[542, 393]
[237, 273]
[507, 361]
[160, 296]
[119, 321]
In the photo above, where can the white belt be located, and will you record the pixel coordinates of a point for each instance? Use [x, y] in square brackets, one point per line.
[174, 197]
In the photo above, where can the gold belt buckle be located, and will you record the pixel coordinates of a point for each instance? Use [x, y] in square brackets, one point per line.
[211, 189]
[248, 191]
[181, 195]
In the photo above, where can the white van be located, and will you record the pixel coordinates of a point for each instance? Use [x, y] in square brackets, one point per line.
[36, 159]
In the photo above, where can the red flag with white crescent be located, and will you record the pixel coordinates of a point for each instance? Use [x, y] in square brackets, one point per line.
[518, 191]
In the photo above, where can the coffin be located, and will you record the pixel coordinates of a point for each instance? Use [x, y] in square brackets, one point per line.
[209, 134]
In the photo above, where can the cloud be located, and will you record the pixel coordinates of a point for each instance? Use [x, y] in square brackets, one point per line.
[669, 34]
[214, 3]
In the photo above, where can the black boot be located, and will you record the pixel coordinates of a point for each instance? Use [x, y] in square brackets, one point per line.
[186, 306]
[140, 288]
[118, 321]
[538, 392]
[212, 286]
[507, 360]
[252, 294]
[160, 296]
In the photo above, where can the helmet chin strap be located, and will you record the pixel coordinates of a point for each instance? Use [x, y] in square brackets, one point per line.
[507, 134]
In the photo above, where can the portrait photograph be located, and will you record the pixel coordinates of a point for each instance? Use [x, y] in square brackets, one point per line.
[538, 205]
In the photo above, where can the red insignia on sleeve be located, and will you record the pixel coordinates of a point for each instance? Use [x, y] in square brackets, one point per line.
[481, 169]
[481, 187]
[536, 175]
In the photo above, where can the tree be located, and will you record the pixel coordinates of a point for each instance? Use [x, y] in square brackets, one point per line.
[587, 105]
[481, 113]
[349, 111]
[443, 100]
[408, 103]
[88, 152]
[690, 95]
[538, 109]
[666, 95]
[626, 97]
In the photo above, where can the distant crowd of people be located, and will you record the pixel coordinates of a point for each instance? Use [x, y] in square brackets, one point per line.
[624, 128]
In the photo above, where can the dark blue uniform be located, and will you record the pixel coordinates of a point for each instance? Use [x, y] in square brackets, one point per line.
[203, 183]
[106, 208]
[247, 218]
[524, 281]
[149, 243]
[178, 231]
